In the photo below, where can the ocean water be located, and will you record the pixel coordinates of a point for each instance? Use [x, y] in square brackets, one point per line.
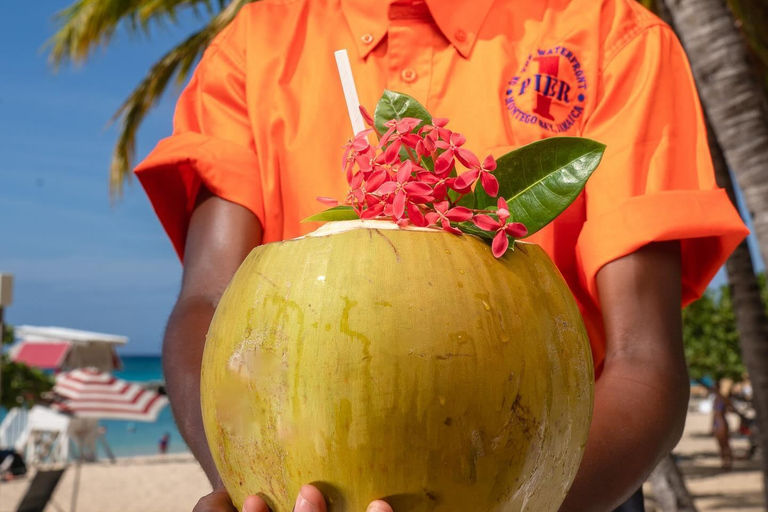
[127, 438]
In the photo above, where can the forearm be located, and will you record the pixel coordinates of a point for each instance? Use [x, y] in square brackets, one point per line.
[639, 416]
[182, 356]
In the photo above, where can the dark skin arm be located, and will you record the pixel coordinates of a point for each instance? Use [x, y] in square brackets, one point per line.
[220, 236]
[642, 395]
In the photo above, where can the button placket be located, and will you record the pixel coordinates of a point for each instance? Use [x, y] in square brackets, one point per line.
[409, 53]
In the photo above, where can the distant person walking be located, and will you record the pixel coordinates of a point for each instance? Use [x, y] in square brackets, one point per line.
[163, 443]
[720, 427]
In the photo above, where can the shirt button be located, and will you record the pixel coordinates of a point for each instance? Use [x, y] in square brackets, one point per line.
[461, 36]
[367, 38]
[408, 75]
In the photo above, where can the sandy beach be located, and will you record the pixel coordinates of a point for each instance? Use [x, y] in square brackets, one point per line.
[173, 483]
[713, 489]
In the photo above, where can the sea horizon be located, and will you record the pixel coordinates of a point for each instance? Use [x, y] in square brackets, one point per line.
[128, 439]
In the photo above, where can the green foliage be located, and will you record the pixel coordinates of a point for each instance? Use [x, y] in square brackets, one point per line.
[342, 212]
[711, 338]
[7, 334]
[541, 179]
[752, 20]
[394, 105]
[21, 385]
[88, 24]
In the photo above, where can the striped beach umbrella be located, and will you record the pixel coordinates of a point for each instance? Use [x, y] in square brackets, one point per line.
[90, 393]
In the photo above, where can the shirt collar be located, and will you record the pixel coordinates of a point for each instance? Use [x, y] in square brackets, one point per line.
[458, 20]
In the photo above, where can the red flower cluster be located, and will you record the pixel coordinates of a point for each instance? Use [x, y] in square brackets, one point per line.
[408, 177]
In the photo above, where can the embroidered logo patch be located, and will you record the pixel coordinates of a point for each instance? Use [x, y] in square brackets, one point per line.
[549, 90]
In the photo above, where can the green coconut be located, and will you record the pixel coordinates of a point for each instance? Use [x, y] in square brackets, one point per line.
[399, 364]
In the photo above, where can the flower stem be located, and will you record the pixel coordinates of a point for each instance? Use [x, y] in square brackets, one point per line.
[410, 154]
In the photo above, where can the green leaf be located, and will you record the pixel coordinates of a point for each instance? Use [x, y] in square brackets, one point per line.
[468, 201]
[471, 229]
[395, 105]
[333, 214]
[541, 179]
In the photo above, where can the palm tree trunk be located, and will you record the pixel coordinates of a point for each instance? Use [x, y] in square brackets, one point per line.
[735, 106]
[751, 318]
[669, 490]
[733, 99]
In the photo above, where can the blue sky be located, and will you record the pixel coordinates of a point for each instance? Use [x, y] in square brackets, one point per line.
[79, 261]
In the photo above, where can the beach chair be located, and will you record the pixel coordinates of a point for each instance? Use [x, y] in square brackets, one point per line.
[40, 490]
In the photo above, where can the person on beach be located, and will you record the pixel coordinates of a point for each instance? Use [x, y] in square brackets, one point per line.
[258, 132]
[163, 443]
[720, 429]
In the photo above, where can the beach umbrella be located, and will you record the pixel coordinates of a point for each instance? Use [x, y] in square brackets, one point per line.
[90, 393]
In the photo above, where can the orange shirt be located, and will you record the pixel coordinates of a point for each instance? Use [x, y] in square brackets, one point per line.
[263, 120]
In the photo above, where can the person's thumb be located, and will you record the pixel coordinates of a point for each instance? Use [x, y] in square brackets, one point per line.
[310, 499]
[379, 506]
[255, 504]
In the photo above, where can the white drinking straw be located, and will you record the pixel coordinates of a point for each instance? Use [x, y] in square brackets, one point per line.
[350, 92]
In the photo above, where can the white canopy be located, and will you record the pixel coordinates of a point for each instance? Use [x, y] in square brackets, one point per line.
[60, 348]
[42, 334]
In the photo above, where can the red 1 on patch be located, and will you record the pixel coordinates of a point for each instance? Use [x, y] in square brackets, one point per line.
[549, 91]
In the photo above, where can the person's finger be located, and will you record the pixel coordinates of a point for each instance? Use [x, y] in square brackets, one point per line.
[310, 499]
[217, 501]
[379, 506]
[255, 504]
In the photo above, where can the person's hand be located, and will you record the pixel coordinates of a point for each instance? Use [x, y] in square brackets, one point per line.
[217, 501]
[309, 500]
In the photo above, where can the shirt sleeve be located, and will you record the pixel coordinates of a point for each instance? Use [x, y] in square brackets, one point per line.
[656, 180]
[212, 143]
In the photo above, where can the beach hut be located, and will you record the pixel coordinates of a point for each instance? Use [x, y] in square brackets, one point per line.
[61, 349]
[44, 432]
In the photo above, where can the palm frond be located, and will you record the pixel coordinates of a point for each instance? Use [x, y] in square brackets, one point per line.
[176, 63]
[87, 24]
[752, 18]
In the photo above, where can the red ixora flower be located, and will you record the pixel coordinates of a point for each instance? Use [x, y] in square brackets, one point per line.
[409, 178]
[445, 215]
[483, 171]
[514, 229]
[361, 187]
[399, 133]
[352, 148]
[407, 193]
[452, 148]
